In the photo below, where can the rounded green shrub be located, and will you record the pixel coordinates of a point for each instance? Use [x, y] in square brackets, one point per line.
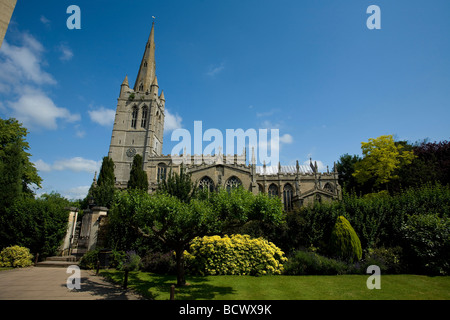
[235, 255]
[344, 242]
[311, 263]
[89, 260]
[16, 257]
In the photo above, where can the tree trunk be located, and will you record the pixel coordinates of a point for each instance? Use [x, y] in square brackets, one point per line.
[181, 281]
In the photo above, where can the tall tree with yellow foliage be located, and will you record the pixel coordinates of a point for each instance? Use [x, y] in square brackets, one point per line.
[382, 156]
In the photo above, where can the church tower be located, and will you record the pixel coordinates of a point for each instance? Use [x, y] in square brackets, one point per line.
[139, 121]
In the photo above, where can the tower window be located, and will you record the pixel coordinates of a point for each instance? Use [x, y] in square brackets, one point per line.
[134, 115]
[144, 117]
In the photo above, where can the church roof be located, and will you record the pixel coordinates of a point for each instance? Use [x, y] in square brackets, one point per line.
[270, 170]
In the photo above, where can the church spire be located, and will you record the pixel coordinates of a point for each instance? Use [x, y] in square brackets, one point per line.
[148, 66]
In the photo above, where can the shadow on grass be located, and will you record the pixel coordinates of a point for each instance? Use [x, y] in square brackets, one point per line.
[157, 287]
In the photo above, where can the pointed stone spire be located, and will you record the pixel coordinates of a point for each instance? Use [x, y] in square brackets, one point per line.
[124, 86]
[311, 165]
[161, 97]
[154, 88]
[147, 69]
[155, 81]
[125, 81]
[94, 181]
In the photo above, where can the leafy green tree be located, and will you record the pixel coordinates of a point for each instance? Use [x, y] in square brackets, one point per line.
[103, 193]
[179, 185]
[138, 177]
[381, 158]
[431, 164]
[345, 168]
[39, 224]
[167, 218]
[17, 173]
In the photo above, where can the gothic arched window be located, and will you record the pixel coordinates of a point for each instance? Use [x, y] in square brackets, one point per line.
[134, 115]
[273, 190]
[162, 172]
[232, 183]
[144, 117]
[288, 192]
[206, 184]
[328, 187]
[260, 188]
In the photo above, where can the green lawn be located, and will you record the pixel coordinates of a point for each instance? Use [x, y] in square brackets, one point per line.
[347, 287]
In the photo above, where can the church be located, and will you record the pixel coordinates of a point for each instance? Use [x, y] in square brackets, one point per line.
[139, 128]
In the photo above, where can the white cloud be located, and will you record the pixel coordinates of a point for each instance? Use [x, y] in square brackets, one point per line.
[42, 166]
[34, 108]
[45, 21]
[76, 164]
[24, 63]
[66, 52]
[286, 138]
[103, 116]
[22, 76]
[171, 121]
[76, 192]
[215, 69]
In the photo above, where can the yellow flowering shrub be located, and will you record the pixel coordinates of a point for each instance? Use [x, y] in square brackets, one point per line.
[15, 256]
[235, 255]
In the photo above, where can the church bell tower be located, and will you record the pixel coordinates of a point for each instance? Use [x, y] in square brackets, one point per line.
[139, 121]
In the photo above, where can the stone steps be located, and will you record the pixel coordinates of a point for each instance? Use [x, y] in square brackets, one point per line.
[58, 262]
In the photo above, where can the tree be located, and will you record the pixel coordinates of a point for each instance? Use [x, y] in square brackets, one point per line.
[345, 168]
[39, 224]
[17, 173]
[344, 242]
[103, 193]
[176, 222]
[167, 218]
[179, 185]
[381, 158]
[138, 177]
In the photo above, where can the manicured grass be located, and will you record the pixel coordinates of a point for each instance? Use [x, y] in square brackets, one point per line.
[343, 287]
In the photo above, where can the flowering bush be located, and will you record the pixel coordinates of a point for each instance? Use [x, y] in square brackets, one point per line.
[235, 255]
[16, 257]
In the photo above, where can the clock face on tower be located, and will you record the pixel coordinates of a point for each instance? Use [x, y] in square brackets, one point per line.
[131, 152]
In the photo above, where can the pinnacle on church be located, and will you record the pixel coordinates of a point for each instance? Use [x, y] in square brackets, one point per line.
[161, 97]
[155, 81]
[147, 69]
[125, 81]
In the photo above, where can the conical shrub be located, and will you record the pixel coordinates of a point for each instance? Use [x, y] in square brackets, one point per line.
[344, 242]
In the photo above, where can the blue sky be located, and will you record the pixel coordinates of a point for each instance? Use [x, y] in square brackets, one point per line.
[311, 69]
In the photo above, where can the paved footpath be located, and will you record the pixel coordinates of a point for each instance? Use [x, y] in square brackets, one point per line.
[41, 283]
